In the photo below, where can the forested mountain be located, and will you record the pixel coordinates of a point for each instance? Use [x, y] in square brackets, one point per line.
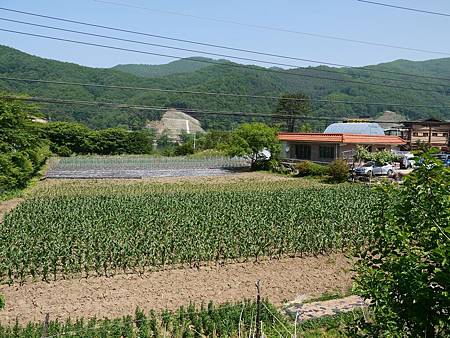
[181, 66]
[223, 78]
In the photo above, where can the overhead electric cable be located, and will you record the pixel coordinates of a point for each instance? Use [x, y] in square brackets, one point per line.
[214, 54]
[193, 92]
[278, 29]
[254, 68]
[158, 108]
[405, 8]
[194, 111]
[366, 69]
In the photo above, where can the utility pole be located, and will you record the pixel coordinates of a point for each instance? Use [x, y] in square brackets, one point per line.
[258, 310]
[45, 326]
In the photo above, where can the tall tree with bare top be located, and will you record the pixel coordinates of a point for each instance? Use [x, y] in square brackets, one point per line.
[290, 108]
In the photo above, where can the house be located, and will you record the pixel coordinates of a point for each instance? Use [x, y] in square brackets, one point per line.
[432, 132]
[328, 146]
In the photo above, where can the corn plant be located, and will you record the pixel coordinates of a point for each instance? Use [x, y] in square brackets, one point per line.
[103, 229]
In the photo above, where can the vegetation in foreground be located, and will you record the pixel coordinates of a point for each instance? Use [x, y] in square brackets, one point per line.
[226, 320]
[22, 149]
[405, 269]
[105, 229]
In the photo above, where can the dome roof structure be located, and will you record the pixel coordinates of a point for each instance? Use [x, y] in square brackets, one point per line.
[360, 128]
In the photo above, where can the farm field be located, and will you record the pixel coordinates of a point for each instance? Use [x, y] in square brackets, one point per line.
[92, 228]
[141, 166]
[112, 297]
[230, 319]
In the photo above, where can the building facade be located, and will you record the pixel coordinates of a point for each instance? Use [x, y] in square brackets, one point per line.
[327, 147]
[432, 132]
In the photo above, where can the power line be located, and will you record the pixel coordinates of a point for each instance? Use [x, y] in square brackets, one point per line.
[249, 96]
[229, 64]
[405, 8]
[277, 29]
[214, 54]
[115, 105]
[207, 44]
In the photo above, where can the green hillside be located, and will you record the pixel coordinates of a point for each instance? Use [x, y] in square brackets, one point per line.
[222, 78]
[181, 66]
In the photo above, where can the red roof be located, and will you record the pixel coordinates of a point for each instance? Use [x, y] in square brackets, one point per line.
[341, 138]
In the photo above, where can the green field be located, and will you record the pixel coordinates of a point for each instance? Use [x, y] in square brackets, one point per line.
[108, 227]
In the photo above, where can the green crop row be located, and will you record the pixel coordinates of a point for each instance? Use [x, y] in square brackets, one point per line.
[140, 227]
[226, 320]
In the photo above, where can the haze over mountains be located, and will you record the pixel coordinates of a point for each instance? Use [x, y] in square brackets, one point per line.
[193, 75]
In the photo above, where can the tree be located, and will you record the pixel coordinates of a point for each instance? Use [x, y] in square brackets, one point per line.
[405, 269]
[299, 106]
[250, 139]
[22, 148]
[382, 157]
[69, 135]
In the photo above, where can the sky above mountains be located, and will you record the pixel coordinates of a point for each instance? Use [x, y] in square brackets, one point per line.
[187, 20]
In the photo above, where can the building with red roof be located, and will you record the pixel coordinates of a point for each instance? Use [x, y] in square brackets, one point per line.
[326, 147]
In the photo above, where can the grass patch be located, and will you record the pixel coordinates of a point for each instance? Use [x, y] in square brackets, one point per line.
[330, 326]
[329, 296]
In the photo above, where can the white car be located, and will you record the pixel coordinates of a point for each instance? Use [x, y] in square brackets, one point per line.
[371, 168]
[407, 161]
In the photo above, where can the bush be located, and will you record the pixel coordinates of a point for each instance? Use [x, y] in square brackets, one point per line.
[308, 168]
[2, 301]
[62, 151]
[338, 171]
[265, 165]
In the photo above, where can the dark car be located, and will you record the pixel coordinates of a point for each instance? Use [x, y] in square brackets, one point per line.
[444, 158]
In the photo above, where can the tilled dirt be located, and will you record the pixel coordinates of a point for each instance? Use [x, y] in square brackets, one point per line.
[116, 296]
[7, 206]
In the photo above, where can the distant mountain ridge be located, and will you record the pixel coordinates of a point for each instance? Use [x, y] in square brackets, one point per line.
[249, 80]
[182, 66]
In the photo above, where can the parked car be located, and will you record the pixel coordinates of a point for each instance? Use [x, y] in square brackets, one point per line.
[371, 168]
[444, 158]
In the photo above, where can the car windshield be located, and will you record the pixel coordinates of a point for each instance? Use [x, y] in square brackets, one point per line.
[368, 164]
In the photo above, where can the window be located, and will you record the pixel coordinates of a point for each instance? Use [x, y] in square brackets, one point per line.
[415, 134]
[425, 134]
[445, 134]
[434, 134]
[303, 151]
[326, 152]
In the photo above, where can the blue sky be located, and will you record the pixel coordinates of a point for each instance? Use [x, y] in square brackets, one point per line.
[344, 18]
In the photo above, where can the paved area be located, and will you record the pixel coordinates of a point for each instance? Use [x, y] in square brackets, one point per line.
[325, 308]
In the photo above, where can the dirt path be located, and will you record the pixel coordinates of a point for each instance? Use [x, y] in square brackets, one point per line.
[116, 296]
[324, 308]
[7, 206]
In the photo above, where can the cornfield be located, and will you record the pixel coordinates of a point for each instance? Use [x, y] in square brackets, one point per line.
[103, 228]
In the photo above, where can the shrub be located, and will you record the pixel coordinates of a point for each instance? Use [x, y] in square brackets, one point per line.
[2, 301]
[308, 168]
[338, 171]
[63, 151]
[266, 165]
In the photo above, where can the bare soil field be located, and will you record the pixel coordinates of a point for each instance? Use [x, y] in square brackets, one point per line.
[282, 280]
[7, 206]
[235, 177]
